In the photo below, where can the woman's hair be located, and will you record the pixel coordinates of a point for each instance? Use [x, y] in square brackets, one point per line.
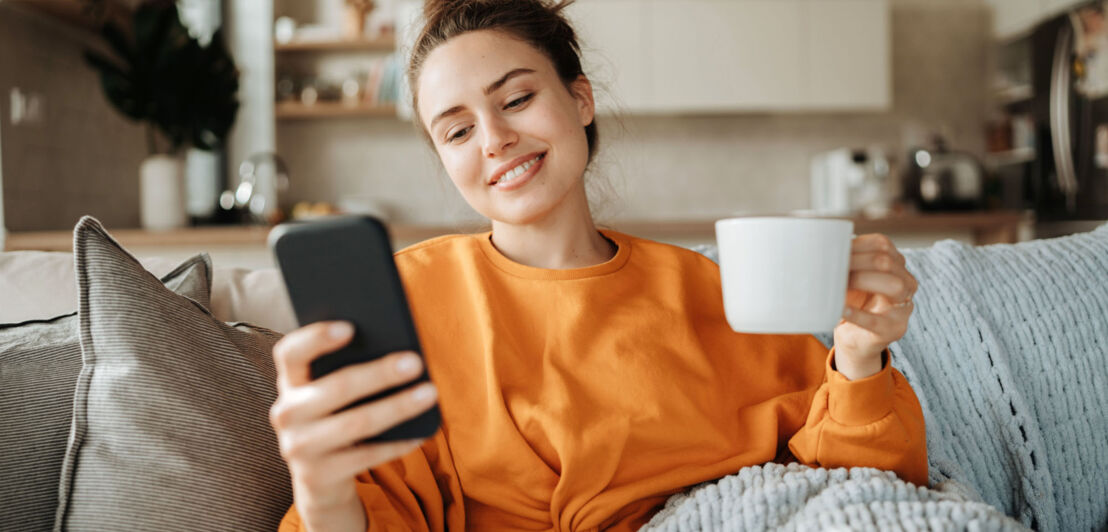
[536, 22]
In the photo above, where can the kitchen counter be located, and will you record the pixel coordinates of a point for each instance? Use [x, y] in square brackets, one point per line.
[246, 245]
[994, 227]
[987, 228]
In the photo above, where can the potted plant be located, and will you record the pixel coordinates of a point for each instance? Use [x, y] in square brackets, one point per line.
[184, 92]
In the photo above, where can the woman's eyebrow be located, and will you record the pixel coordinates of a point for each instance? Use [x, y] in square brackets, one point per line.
[488, 90]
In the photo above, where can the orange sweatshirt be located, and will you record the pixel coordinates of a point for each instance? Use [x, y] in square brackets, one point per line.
[581, 399]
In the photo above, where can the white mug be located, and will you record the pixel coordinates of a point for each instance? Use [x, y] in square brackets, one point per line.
[784, 275]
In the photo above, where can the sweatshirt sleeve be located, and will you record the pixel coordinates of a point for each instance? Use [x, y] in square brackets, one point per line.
[419, 491]
[876, 422]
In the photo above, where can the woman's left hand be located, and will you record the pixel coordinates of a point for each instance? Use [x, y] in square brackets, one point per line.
[878, 305]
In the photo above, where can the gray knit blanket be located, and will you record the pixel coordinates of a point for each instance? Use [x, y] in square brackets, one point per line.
[1008, 353]
[798, 497]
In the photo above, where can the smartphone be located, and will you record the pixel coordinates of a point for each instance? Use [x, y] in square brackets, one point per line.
[342, 268]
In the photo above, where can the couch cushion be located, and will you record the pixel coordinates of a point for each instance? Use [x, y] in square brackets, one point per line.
[171, 427]
[39, 364]
[253, 296]
[37, 285]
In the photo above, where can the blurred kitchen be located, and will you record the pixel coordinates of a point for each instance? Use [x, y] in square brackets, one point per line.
[979, 120]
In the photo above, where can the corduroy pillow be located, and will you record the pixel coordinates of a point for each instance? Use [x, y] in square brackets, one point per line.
[171, 427]
[39, 364]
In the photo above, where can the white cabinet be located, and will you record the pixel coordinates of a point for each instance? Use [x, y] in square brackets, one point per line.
[674, 56]
[848, 55]
[612, 35]
[1012, 18]
[1052, 7]
[726, 54]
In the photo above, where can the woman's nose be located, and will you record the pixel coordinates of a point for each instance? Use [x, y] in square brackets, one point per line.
[499, 136]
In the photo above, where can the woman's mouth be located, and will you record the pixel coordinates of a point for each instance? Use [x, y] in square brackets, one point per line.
[518, 176]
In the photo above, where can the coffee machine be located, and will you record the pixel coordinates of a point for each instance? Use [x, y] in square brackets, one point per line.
[850, 182]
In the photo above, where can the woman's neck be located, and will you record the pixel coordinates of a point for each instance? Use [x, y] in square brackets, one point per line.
[559, 241]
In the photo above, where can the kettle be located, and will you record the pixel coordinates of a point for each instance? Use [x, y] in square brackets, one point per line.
[262, 177]
[940, 179]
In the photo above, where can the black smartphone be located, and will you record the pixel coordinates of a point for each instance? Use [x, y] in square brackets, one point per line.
[342, 268]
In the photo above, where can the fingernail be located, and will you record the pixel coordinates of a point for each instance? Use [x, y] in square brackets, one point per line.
[425, 392]
[408, 364]
[341, 329]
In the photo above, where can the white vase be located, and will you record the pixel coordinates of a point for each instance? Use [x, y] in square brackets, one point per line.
[162, 193]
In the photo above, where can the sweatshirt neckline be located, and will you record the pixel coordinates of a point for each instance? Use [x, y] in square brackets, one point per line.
[507, 265]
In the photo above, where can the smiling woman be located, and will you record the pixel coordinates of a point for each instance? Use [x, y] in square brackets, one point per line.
[583, 375]
[526, 102]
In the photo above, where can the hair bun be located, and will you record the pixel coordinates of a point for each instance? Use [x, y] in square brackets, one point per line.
[433, 9]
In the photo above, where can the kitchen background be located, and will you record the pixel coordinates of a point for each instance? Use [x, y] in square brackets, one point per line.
[879, 77]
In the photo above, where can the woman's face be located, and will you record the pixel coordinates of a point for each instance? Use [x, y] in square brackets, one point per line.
[509, 133]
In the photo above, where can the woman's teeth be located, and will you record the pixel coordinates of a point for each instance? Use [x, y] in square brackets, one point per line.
[518, 171]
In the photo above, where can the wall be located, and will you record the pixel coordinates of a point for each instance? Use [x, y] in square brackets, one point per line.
[3, 227]
[685, 167]
[79, 156]
[83, 158]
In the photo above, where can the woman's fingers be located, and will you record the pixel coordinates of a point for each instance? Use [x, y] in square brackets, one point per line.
[875, 242]
[878, 261]
[335, 390]
[294, 353]
[896, 288]
[348, 427]
[891, 324]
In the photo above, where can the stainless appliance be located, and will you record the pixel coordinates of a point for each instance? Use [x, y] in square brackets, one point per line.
[939, 179]
[1068, 180]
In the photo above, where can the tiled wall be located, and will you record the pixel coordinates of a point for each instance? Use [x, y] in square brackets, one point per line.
[685, 167]
[79, 157]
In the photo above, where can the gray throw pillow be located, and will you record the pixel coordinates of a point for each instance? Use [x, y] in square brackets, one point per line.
[171, 427]
[39, 364]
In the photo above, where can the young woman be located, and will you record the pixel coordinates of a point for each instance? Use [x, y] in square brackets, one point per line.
[583, 375]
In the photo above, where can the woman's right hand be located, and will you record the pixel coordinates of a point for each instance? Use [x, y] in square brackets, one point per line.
[319, 443]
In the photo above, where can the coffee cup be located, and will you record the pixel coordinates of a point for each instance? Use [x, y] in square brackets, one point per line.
[784, 275]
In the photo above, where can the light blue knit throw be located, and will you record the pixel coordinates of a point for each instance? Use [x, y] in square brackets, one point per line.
[796, 497]
[1008, 353]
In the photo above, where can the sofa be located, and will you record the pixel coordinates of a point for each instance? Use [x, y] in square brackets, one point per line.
[134, 393]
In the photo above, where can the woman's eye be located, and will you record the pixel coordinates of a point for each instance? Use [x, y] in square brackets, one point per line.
[519, 101]
[459, 134]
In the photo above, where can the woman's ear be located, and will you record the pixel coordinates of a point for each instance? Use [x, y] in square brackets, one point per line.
[581, 89]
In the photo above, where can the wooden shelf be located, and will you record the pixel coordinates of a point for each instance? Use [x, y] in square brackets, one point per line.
[299, 111]
[989, 227]
[386, 43]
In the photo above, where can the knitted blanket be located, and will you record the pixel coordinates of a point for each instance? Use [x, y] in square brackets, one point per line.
[1008, 353]
[798, 497]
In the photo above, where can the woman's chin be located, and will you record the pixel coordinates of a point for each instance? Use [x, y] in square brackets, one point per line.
[520, 215]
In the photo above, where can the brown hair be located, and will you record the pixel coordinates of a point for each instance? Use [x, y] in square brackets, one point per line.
[536, 22]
